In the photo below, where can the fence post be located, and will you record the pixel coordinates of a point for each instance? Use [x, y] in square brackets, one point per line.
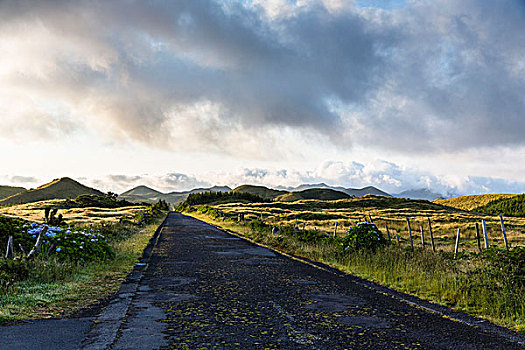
[485, 237]
[388, 234]
[431, 235]
[9, 252]
[504, 233]
[457, 243]
[422, 236]
[477, 237]
[335, 230]
[410, 233]
[370, 217]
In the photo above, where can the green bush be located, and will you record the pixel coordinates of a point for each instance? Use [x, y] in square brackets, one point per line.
[108, 200]
[362, 236]
[210, 197]
[17, 229]
[12, 271]
[79, 246]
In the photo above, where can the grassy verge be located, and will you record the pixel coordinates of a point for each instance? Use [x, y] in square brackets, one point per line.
[57, 288]
[472, 283]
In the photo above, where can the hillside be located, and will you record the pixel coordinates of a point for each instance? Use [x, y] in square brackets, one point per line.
[144, 191]
[360, 192]
[146, 194]
[314, 193]
[513, 206]
[6, 191]
[473, 201]
[261, 191]
[63, 188]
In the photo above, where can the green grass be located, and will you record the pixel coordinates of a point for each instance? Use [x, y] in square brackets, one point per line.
[62, 288]
[470, 283]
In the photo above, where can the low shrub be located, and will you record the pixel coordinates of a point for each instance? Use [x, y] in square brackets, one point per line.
[362, 236]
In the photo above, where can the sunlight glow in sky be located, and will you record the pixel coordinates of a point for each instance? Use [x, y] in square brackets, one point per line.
[394, 94]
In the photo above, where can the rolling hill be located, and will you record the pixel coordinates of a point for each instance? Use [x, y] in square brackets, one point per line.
[360, 192]
[146, 194]
[325, 194]
[63, 188]
[473, 201]
[261, 191]
[7, 191]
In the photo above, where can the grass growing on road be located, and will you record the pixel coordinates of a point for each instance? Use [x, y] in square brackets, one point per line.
[475, 283]
[58, 288]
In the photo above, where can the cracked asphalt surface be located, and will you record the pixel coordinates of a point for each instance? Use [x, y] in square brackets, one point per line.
[203, 288]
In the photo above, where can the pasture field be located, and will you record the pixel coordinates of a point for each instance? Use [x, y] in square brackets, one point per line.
[488, 284]
[322, 215]
[76, 216]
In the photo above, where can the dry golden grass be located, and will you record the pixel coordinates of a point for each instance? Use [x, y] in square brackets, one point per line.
[322, 215]
[76, 216]
[473, 201]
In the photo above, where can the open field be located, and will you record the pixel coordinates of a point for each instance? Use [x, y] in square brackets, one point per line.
[76, 216]
[322, 215]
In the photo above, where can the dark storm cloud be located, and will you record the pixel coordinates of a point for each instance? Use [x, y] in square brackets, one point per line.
[431, 75]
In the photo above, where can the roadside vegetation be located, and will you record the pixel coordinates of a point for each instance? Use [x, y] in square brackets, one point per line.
[59, 264]
[489, 283]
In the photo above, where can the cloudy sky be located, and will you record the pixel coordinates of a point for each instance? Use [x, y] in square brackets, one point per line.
[176, 94]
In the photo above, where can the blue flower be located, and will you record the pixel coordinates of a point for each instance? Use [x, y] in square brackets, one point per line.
[58, 249]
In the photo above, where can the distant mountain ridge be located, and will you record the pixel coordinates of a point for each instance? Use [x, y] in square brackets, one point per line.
[62, 188]
[422, 193]
[322, 192]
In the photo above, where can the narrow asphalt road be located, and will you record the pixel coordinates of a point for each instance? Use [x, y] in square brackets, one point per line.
[202, 288]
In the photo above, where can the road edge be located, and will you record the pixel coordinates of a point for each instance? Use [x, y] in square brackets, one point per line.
[105, 327]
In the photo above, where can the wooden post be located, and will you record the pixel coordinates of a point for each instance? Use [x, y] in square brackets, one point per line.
[397, 237]
[410, 233]
[335, 230]
[9, 252]
[457, 243]
[477, 237]
[422, 236]
[485, 236]
[36, 247]
[388, 234]
[431, 235]
[365, 220]
[370, 217]
[504, 233]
